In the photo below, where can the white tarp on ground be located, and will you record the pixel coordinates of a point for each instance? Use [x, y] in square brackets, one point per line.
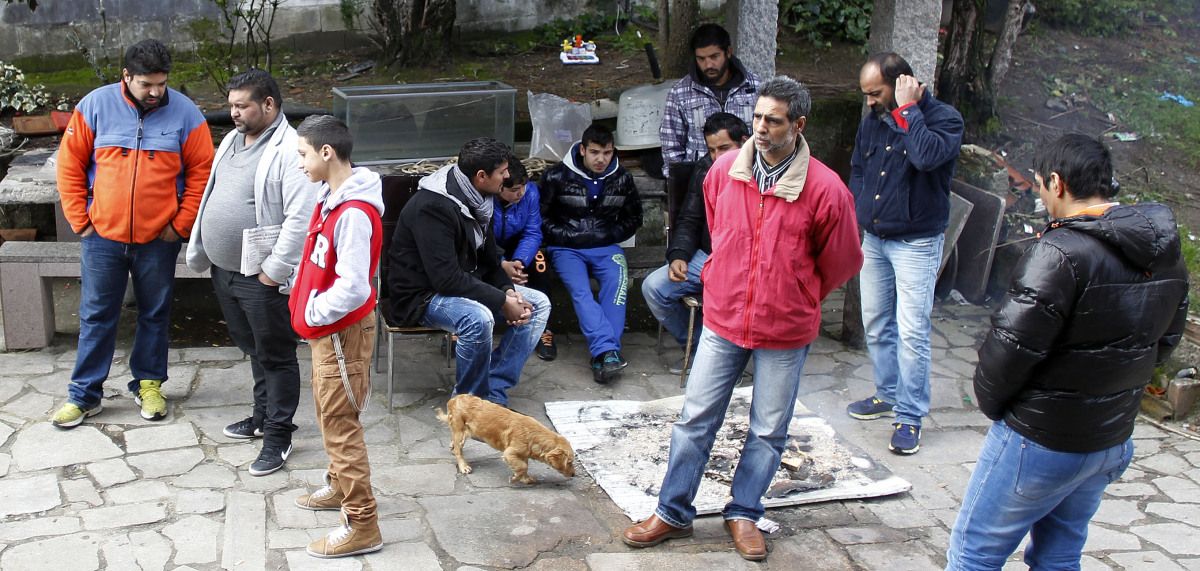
[624, 446]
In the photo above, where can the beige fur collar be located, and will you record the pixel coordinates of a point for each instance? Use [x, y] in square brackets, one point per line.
[790, 183]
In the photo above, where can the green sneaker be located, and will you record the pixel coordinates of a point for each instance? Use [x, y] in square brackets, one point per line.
[70, 415]
[150, 398]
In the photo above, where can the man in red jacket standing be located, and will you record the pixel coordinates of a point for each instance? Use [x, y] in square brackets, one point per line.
[784, 235]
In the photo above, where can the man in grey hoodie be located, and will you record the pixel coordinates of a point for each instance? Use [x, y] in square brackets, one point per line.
[257, 199]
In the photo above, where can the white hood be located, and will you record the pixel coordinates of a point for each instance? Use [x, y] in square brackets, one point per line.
[364, 184]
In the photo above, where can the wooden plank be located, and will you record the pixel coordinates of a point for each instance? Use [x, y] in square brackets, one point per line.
[977, 244]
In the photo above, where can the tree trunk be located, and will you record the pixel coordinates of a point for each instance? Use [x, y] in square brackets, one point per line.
[1002, 54]
[677, 55]
[959, 65]
[428, 31]
[664, 24]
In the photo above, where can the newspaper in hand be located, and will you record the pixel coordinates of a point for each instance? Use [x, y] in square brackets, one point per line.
[257, 244]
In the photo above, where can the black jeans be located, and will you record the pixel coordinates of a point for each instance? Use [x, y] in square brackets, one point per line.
[260, 325]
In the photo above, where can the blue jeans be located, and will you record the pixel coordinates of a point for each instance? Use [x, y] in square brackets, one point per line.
[663, 295]
[719, 365]
[1020, 486]
[602, 319]
[482, 370]
[897, 278]
[104, 267]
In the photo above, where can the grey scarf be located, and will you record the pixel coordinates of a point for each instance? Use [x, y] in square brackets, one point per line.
[480, 206]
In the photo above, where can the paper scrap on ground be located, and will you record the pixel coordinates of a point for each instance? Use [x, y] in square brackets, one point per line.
[624, 446]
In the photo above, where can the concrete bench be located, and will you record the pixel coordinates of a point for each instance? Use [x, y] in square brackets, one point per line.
[25, 296]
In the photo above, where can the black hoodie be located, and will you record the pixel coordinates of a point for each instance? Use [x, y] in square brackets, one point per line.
[1094, 305]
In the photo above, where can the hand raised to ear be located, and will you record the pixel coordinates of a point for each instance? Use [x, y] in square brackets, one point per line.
[908, 90]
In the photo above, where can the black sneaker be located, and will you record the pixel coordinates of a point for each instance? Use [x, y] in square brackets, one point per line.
[243, 429]
[598, 370]
[546, 349]
[611, 364]
[270, 459]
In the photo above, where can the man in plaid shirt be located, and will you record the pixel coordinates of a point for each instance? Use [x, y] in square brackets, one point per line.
[717, 82]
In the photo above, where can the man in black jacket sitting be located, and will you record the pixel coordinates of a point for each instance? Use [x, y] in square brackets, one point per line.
[1094, 305]
[589, 206]
[444, 272]
[690, 243]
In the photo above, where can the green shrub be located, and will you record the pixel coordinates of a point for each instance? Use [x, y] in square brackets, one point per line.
[822, 21]
[17, 94]
[1095, 17]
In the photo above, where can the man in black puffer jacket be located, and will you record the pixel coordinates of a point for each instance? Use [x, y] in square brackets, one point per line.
[589, 206]
[1094, 305]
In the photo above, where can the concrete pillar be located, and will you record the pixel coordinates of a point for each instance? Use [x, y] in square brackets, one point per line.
[753, 25]
[909, 28]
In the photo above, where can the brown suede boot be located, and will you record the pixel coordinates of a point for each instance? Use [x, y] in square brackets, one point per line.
[326, 498]
[347, 540]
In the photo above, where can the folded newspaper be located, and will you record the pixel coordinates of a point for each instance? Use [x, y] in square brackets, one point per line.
[257, 244]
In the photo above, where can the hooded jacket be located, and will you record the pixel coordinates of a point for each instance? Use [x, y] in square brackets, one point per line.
[356, 247]
[131, 172]
[518, 227]
[690, 103]
[1094, 305]
[433, 252]
[283, 196]
[572, 219]
[776, 253]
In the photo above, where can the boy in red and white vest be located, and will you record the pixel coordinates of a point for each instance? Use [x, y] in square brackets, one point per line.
[333, 303]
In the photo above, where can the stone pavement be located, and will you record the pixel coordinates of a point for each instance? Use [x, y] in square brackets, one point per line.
[122, 493]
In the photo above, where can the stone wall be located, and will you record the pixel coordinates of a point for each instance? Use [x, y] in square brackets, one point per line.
[49, 29]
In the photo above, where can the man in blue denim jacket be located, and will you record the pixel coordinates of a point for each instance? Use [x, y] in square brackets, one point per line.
[904, 157]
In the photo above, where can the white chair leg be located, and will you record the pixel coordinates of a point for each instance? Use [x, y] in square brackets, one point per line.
[687, 349]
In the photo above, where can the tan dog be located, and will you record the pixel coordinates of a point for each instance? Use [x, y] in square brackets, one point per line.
[517, 436]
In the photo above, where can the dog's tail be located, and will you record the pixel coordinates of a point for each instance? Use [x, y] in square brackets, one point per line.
[442, 415]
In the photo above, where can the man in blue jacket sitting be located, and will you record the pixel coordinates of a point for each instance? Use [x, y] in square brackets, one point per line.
[518, 230]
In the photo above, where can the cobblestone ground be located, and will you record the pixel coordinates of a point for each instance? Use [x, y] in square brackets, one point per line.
[122, 493]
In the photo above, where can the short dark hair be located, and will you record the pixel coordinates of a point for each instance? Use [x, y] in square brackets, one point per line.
[727, 122]
[516, 171]
[482, 154]
[891, 66]
[146, 57]
[259, 83]
[710, 35]
[789, 91]
[321, 130]
[598, 134]
[1084, 164]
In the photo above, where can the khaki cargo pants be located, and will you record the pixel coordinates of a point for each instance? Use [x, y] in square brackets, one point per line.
[349, 470]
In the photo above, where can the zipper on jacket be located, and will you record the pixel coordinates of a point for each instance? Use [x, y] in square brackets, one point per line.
[753, 266]
[137, 152]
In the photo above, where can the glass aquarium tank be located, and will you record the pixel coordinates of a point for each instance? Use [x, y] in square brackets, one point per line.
[409, 122]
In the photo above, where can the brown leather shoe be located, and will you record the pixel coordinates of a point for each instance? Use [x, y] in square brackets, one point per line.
[653, 532]
[747, 539]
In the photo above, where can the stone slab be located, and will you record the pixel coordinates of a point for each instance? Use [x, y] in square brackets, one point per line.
[864, 535]
[245, 533]
[5, 459]
[111, 472]
[223, 387]
[123, 516]
[810, 550]
[538, 519]
[29, 495]
[30, 406]
[140, 491]
[416, 480]
[167, 462]
[658, 561]
[81, 490]
[13, 531]
[1174, 538]
[1145, 561]
[195, 539]
[138, 550]
[161, 438]
[44, 446]
[909, 556]
[1100, 539]
[206, 475]
[199, 501]
[405, 557]
[302, 561]
[1118, 512]
[77, 552]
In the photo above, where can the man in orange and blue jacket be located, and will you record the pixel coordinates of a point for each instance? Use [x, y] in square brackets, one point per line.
[131, 170]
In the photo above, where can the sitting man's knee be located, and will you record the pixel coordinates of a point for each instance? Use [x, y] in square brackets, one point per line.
[476, 326]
